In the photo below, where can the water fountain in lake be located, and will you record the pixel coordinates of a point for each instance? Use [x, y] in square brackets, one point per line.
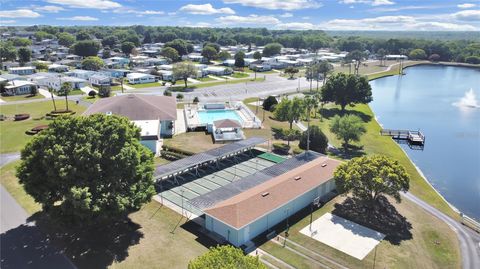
[468, 100]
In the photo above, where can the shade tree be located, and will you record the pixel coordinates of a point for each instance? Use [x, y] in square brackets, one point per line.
[346, 90]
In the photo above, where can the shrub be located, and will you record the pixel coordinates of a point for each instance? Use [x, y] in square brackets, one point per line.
[472, 60]
[196, 100]
[92, 93]
[104, 91]
[269, 103]
[318, 140]
[281, 148]
[167, 93]
[297, 151]
[434, 57]
[179, 96]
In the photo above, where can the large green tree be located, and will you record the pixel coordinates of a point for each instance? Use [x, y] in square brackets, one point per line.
[7, 52]
[324, 68]
[291, 71]
[127, 47]
[65, 39]
[289, 110]
[170, 53]
[347, 128]
[239, 59]
[184, 70]
[90, 168]
[179, 45]
[92, 63]
[370, 177]
[272, 49]
[346, 90]
[209, 53]
[86, 48]
[357, 58]
[318, 140]
[417, 54]
[225, 257]
[24, 55]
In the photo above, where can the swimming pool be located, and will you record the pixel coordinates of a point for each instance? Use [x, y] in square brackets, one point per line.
[209, 116]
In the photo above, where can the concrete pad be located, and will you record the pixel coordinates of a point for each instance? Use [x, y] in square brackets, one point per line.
[193, 80]
[216, 78]
[126, 87]
[88, 89]
[344, 235]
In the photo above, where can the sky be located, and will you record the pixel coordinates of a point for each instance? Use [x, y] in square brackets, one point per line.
[419, 15]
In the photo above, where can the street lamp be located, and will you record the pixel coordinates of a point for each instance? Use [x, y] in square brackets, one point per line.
[181, 193]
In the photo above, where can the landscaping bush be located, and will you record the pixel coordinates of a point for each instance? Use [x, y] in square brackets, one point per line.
[318, 140]
[281, 148]
[297, 151]
[104, 91]
[285, 134]
[92, 94]
[196, 100]
[167, 93]
[269, 103]
[179, 96]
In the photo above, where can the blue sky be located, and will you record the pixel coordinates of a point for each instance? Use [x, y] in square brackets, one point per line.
[427, 15]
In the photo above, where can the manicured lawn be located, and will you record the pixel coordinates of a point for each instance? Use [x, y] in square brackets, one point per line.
[144, 85]
[90, 99]
[21, 97]
[181, 87]
[74, 92]
[12, 133]
[192, 141]
[430, 244]
[205, 79]
[239, 75]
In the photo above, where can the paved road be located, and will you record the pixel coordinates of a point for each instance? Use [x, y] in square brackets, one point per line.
[469, 240]
[23, 245]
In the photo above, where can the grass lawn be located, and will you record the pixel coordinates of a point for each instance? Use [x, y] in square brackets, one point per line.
[239, 75]
[144, 85]
[21, 97]
[74, 92]
[430, 243]
[204, 79]
[12, 133]
[181, 86]
[90, 99]
[196, 141]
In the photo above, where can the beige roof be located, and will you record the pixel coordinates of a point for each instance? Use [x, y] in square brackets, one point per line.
[227, 123]
[250, 205]
[137, 107]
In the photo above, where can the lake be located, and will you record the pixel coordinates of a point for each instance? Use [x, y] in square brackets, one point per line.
[443, 103]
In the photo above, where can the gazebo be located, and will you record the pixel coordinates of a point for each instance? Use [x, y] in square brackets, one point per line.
[227, 130]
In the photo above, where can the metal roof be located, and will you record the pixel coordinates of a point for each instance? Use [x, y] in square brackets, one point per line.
[218, 195]
[204, 157]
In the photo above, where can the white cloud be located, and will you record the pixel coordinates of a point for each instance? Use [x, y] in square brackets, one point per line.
[467, 15]
[8, 21]
[206, 9]
[286, 15]
[369, 2]
[295, 26]
[400, 8]
[50, 9]
[152, 12]
[251, 19]
[79, 18]
[466, 5]
[19, 13]
[94, 4]
[305, 18]
[277, 4]
[395, 23]
[202, 24]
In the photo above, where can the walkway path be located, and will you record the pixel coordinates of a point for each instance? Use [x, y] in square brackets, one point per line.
[45, 93]
[469, 240]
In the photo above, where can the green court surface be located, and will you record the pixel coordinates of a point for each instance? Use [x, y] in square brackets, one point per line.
[271, 157]
[187, 186]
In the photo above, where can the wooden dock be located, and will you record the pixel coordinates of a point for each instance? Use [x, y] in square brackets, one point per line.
[413, 137]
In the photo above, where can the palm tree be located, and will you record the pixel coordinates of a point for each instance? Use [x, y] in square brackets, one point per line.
[51, 90]
[65, 89]
[309, 104]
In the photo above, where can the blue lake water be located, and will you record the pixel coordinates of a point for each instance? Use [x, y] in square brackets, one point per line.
[440, 101]
[209, 116]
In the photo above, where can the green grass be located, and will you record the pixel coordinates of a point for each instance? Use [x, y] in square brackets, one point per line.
[90, 99]
[21, 97]
[74, 92]
[11, 184]
[204, 79]
[421, 251]
[12, 133]
[239, 75]
[144, 85]
[181, 86]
